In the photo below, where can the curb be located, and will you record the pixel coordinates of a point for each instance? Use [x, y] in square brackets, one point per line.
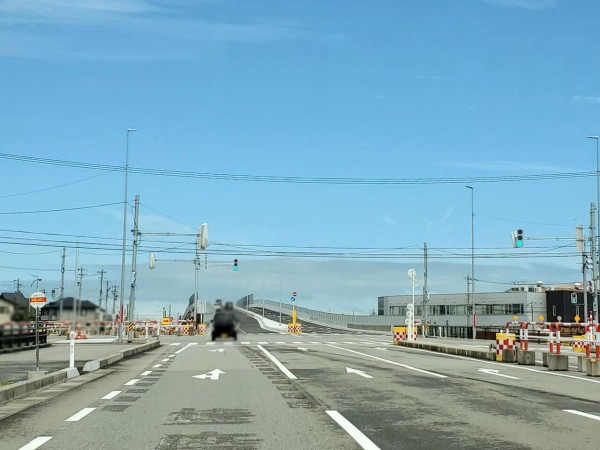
[96, 364]
[470, 353]
[11, 392]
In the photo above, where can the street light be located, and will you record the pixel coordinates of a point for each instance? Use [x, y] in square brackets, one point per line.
[472, 258]
[598, 220]
[129, 130]
[37, 282]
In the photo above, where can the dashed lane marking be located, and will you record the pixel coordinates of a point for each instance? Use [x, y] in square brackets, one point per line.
[185, 348]
[38, 441]
[246, 343]
[146, 373]
[132, 382]
[80, 415]
[156, 366]
[111, 395]
[176, 343]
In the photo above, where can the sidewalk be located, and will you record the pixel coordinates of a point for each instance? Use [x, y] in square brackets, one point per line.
[14, 366]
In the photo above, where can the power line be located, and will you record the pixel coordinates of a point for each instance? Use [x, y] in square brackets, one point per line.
[77, 208]
[298, 179]
[54, 187]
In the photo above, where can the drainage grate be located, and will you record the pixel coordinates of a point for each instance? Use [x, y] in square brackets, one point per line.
[137, 391]
[297, 396]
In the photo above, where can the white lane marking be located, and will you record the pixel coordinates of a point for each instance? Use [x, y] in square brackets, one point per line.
[40, 440]
[156, 366]
[165, 360]
[132, 382]
[382, 349]
[210, 343]
[357, 435]
[297, 342]
[362, 373]
[171, 356]
[391, 362]
[80, 415]
[481, 361]
[212, 375]
[146, 373]
[218, 350]
[579, 413]
[284, 369]
[246, 343]
[280, 343]
[263, 343]
[315, 342]
[497, 373]
[303, 349]
[185, 348]
[176, 343]
[111, 395]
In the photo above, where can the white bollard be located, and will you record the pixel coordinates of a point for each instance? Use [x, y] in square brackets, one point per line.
[71, 349]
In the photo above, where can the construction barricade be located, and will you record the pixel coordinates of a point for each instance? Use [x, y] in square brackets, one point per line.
[201, 329]
[400, 333]
[578, 344]
[504, 341]
[295, 328]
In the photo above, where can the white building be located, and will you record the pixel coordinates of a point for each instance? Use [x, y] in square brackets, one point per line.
[491, 308]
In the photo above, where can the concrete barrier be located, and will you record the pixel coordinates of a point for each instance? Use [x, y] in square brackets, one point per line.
[509, 356]
[526, 357]
[20, 389]
[558, 362]
[593, 368]
[582, 363]
[467, 352]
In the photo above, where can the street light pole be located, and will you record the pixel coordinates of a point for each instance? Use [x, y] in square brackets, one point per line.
[595, 306]
[122, 296]
[473, 258]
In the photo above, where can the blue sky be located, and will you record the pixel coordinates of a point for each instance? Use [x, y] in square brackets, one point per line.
[397, 90]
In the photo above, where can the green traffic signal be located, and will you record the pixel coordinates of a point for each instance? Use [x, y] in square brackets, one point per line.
[235, 265]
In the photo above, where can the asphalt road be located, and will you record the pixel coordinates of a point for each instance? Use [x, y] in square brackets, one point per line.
[276, 391]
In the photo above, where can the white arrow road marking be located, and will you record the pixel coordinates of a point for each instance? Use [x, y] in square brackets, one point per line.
[303, 349]
[382, 349]
[362, 373]
[219, 350]
[212, 375]
[579, 413]
[497, 373]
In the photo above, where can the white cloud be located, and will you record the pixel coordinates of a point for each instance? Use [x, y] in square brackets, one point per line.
[525, 4]
[585, 99]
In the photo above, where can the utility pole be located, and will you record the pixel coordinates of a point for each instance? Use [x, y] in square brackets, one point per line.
[425, 292]
[101, 273]
[594, 257]
[81, 274]
[18, 283]
[106, 300]
[114, 295]
[136, 238]
[75, 288]
[62, 282]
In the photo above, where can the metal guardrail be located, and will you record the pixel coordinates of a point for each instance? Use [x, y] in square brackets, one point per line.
[18, 335]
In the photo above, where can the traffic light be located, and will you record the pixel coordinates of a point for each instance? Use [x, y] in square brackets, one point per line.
[53, 293]
[235, 265]
[517, 236]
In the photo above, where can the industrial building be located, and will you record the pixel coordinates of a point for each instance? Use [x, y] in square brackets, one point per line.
[527, 302]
